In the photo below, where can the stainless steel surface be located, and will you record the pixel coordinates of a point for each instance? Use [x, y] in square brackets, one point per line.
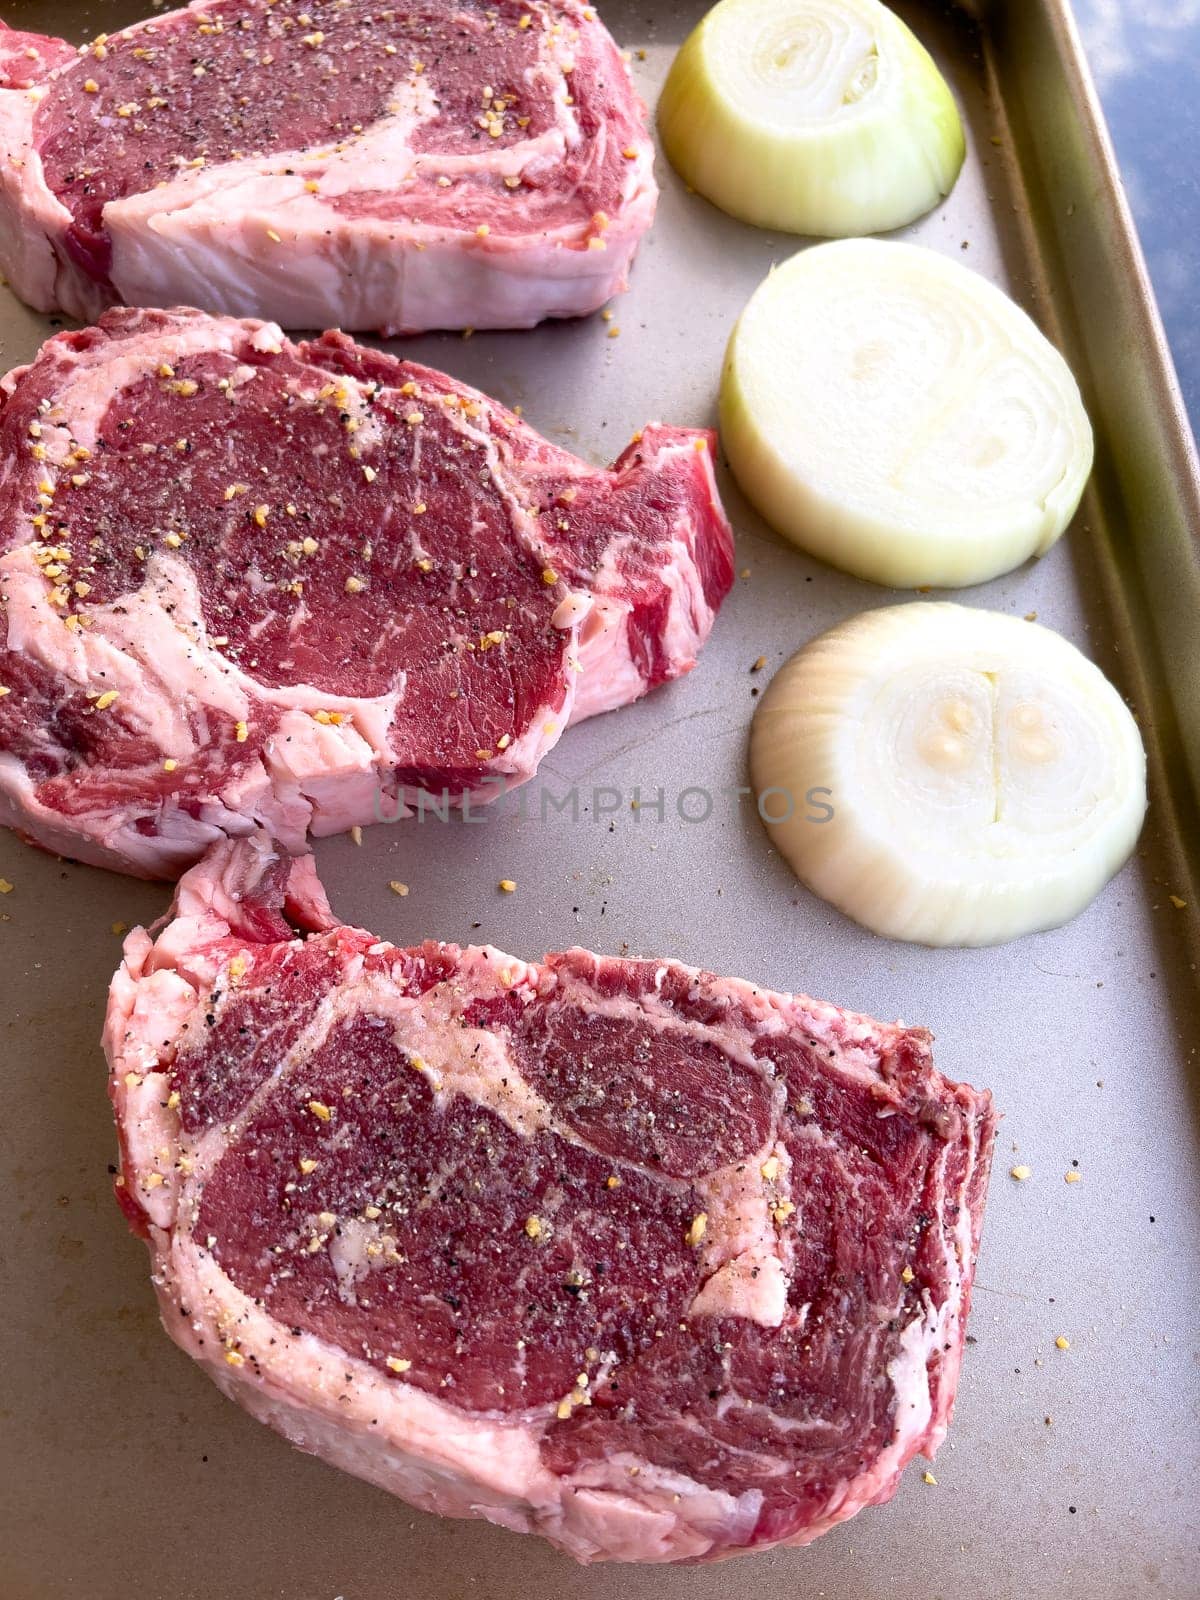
[1068, 1473]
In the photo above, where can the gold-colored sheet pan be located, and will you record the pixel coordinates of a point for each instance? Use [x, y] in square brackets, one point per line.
[1068, 1473]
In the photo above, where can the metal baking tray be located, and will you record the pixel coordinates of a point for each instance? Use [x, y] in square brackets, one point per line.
[1068, 1473]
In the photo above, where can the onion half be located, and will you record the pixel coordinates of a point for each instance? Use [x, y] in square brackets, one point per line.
[895, 414]
[948, 775]
[824, 117]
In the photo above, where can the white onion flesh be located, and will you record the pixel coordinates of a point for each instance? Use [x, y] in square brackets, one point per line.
[985, 778]
[823, 117]
[895, 414]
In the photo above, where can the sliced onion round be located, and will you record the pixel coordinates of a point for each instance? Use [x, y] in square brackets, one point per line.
[985, 779]
[897, 415]
[812, 116]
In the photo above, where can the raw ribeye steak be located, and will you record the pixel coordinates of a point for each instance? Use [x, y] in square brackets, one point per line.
[327, 163]
[27, 58]
[252, 582]
[659, 1265]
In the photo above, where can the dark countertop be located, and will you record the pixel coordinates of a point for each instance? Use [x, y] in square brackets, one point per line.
[1145, 57]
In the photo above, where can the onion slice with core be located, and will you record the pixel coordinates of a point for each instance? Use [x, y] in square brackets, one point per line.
[986, 780]
[812, 116]
[897, 415]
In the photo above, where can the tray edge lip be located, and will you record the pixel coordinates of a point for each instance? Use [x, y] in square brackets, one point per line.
[1180, 437]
